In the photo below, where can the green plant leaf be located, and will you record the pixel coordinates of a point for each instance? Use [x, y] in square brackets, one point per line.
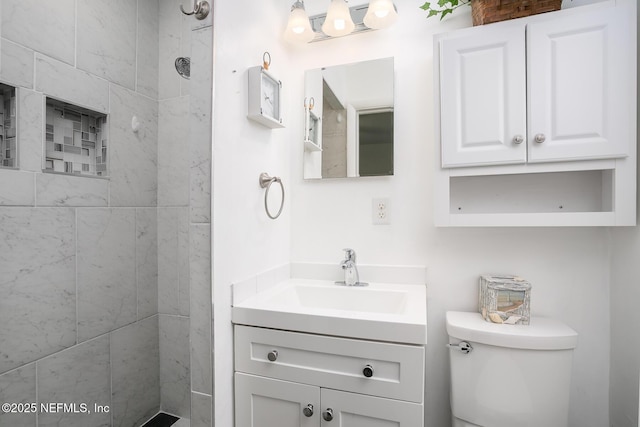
[445, 13]
[426, 6]
[432, 13]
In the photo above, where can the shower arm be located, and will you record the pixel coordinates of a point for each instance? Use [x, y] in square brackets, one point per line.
[200, 9]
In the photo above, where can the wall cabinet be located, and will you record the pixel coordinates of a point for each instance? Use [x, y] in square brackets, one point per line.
[288, 379]
[567, 78]
[543, 101]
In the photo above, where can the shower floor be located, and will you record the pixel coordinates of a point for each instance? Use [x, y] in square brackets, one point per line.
[166, 420]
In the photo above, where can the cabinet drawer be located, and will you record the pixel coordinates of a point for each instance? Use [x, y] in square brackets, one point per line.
[397, 371]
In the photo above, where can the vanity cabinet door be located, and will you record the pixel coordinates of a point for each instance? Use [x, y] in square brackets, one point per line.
[266, 402]
[357, 410]
[483, 97]
[580, 94]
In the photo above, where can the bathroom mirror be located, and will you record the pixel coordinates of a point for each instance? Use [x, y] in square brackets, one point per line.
[349, 128]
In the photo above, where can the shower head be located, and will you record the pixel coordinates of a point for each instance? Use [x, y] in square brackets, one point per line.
[183, 66]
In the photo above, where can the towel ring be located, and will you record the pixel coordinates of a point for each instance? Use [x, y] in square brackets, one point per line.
[265, 182]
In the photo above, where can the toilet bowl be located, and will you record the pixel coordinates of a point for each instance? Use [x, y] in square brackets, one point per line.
[509, 375]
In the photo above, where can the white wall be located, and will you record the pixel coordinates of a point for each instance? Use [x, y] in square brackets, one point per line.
[568, 268]
[625, 318]
[246, 241]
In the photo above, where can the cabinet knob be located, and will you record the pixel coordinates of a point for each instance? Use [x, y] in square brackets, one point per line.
[308, 410]
[273, 355]
[540, 138]
[518, 139]
[368, 371]
[328, 414]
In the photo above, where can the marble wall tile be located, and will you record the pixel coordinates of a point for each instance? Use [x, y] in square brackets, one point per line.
[200, 126]
[173, 261]
[200, 314]
[78, 375]
[21, 192]
[64, 190]
[30, 125]
[201, 410]
[147, 261]
[148, 48]
[37, 278]
[169, 44]
[18, 386]
[107, 39]
[106, 270]
[173, 152]
[16, 66]
[63, 82]
[175, 387]
[133, 155]
[135, 373]
[186, 48]
[48, 27]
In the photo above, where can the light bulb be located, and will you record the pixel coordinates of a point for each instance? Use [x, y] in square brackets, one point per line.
[338, 21]
[298, 27]
[381, 14]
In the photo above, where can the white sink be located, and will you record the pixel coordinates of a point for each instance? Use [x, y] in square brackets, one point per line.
[386, 312]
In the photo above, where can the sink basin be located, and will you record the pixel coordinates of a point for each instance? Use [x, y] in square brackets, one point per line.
[386, 312]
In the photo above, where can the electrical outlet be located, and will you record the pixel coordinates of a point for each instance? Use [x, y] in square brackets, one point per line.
[380, 211]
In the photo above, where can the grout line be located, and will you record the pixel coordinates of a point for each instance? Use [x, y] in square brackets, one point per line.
[75, 211]
[37, 396]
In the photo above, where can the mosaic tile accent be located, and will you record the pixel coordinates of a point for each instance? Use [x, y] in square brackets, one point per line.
[75, 140]
[8, 119]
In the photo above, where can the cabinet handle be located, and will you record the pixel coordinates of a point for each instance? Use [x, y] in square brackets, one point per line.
[540, 138]
[308, 410]
[328, 414]
[368, 371]
[273, 355]
[518, 139]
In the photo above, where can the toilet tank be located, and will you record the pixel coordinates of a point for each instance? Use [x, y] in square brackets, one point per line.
[516, 375]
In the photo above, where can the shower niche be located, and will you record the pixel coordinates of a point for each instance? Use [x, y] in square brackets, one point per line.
[75, 140]
[8, 145]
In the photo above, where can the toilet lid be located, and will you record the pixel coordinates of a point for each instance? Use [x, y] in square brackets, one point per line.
[541, 334]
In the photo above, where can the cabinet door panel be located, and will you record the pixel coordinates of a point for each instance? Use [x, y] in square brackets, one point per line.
[483, 90]
[265, 402]
[357, 410]
[579, 94]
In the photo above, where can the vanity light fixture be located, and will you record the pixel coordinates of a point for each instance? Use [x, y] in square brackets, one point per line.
[340, 20]
[381, 14]
[298, 26]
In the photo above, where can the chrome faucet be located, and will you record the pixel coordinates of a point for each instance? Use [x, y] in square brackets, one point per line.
[348, 264]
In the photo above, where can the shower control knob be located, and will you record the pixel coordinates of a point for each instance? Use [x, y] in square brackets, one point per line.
[273, 355]
[308, 410]
[328, 414]
[518, 139]
[368, 371]
[540, 138]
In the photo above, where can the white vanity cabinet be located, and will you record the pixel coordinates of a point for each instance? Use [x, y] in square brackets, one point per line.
[296, 379]
[536, 120]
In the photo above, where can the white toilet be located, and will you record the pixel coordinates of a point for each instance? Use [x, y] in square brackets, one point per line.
[512, 375]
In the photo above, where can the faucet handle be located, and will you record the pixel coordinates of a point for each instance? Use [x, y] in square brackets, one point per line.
[349, 255]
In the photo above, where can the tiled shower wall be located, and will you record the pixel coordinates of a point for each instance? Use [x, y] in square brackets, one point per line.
[95, 273]
[184, 218]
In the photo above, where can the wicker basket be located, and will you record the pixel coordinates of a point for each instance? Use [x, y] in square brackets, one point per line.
[488, 11]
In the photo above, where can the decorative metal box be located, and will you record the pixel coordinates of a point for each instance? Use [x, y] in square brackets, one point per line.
[504, 299]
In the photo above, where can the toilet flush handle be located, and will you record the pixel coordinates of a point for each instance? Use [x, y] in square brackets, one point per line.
[462, 346]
